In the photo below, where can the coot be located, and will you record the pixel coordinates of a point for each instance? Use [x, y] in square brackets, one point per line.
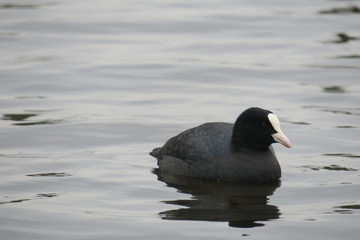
[226, 152]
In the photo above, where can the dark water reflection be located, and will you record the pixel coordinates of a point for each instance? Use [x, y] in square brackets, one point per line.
[342, 10]
[21, 119]
[18, 117]
[46, 122]
[23, 5]
[349, 56]
[38, 196]
[242, 205]
[334, 89]
[335, 110]
[344, 38]
[52, 174]
[330, 168]
[347, 155]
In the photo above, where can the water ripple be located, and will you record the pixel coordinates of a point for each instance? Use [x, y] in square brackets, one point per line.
[51, 174]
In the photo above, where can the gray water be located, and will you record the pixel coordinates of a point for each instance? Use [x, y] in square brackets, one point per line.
[88, 88]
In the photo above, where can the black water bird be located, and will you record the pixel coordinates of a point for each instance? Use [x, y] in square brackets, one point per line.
[226, 152]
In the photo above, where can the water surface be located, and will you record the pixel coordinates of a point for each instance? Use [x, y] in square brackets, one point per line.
[88, 88]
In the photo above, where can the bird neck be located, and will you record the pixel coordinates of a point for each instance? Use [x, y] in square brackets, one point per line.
[242, 140]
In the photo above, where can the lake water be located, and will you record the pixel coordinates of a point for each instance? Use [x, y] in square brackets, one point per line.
[88, 88]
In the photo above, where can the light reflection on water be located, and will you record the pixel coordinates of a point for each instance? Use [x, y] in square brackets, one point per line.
[89, 88]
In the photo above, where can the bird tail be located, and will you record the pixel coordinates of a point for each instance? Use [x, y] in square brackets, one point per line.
[155, 152]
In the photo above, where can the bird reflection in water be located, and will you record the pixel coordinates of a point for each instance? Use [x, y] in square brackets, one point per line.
[242, 205]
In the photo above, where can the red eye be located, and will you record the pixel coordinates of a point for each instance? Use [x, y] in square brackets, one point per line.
[264, 124]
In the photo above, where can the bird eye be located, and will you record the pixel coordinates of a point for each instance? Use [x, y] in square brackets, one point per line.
[264, 124]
